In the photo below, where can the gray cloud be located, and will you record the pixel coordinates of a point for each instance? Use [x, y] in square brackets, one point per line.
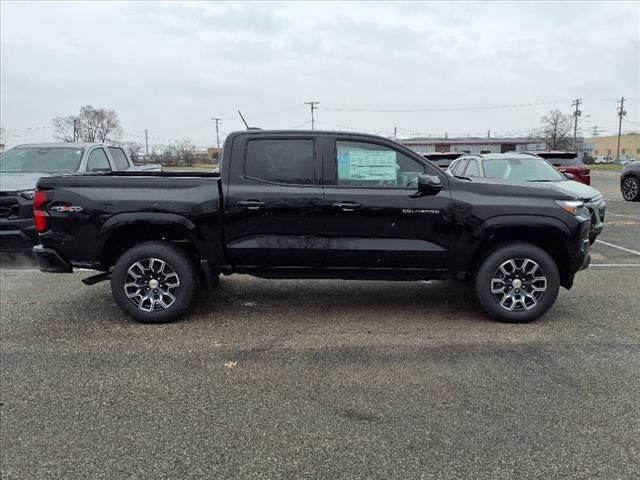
[168, 67]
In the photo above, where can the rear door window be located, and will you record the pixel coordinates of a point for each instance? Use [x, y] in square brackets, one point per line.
[287, 161]
[119, 158]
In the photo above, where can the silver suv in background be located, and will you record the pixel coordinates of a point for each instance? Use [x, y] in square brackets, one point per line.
[529, 167]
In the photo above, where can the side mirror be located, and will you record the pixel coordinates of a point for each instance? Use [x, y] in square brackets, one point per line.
[570, 176]
[429, 184]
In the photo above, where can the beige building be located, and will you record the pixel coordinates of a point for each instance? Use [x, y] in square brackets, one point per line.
[606, 147]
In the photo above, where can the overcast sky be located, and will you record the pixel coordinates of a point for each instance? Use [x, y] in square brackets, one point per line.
[169, 67]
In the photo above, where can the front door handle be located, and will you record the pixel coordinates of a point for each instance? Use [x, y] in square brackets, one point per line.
[346, 206]
[251, 204]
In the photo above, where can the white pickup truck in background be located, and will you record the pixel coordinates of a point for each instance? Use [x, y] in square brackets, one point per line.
[22, 166]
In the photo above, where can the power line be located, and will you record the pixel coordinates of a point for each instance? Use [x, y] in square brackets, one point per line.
[443, 109]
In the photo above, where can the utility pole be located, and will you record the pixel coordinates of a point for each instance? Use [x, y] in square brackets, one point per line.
[313, 107]
[146, 144]
[576, 103]
[217, 120]
[621, 113]
[75, 129]
[595, 130]
[489, 133]
[395, 133]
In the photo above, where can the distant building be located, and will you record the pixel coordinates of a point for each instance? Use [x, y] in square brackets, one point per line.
[213, 152]
[606, 147]
[202, 155]
[479, 145]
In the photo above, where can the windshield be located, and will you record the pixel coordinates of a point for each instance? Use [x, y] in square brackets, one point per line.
[529, 170]
[48, 160]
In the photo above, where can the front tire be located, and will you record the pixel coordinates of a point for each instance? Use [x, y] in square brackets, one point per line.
[517, 283]
[631, 189]
[154, 282]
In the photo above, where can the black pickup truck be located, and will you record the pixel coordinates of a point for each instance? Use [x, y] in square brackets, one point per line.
[311, 204]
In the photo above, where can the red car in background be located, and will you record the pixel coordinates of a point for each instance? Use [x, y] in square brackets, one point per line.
[567, 162]
[442, 159]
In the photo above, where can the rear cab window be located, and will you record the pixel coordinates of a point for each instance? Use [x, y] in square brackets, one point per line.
[282, 161]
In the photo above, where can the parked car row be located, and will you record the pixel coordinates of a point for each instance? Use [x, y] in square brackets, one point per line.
[22, 166]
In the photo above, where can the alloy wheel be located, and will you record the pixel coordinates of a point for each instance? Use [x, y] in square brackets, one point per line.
[518, 284]
[630, 189]
[151, 284]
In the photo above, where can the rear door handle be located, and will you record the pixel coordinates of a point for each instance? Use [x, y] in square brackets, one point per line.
[251, 204]
[346, 206]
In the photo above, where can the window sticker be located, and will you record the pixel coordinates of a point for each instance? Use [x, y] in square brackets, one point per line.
[366, 165]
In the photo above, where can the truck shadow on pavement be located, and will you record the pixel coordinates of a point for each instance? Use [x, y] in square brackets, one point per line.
[246, 296]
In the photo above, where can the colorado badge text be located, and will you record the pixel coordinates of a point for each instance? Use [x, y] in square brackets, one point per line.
[424, 211]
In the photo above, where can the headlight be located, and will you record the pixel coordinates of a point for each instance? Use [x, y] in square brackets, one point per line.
[28, 194]
[574, 207]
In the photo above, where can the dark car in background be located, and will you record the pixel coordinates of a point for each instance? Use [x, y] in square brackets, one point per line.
[567, 162]
[22, 166]
[442, 159]
[630, 182]
[528, 167]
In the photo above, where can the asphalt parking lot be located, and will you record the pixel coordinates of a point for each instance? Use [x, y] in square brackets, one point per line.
[327, 379]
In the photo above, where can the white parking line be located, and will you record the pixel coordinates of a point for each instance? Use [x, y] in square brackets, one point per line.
[609, 214]
[614, 265]
[618, 247]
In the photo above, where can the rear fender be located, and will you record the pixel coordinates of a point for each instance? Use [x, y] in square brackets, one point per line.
[145, 226]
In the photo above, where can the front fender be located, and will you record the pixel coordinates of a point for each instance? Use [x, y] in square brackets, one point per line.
[524, 221]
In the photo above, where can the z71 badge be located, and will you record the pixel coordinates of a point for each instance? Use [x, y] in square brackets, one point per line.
[424, 211]
[70, 208]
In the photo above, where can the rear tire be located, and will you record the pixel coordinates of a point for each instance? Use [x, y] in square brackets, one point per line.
[631, 189]
[517, 283]
[154, 282]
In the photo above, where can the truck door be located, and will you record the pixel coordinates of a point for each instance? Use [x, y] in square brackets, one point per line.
[375, 218]
[273, 215]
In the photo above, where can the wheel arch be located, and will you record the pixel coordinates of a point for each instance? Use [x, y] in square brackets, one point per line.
[547, 233]
[123, 231]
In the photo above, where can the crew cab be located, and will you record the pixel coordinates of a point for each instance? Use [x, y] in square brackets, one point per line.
[22, 166]
[311, 204]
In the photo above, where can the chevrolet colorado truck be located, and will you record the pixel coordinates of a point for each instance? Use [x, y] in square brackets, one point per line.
[311, 204]
[23, 165]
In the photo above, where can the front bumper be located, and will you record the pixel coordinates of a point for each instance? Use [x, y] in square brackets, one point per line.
[51, 261]
[597, 212]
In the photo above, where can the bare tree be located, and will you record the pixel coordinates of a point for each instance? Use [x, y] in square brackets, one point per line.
[185, 151]
[91, 125]
[134, 149]
[555, 130]
[63, 128]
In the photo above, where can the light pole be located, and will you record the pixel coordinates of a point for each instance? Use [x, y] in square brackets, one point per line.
[217, 120]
